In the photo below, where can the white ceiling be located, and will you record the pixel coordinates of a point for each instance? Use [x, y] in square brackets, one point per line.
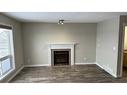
[69, 17]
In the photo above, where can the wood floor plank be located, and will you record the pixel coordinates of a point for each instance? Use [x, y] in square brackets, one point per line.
[74, 74]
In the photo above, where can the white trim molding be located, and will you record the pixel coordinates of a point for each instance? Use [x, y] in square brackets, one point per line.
[15, 73]
[41, 65]
[36, 65]
[108, 70]
[4, 76]
[85, 63]
[61, 46]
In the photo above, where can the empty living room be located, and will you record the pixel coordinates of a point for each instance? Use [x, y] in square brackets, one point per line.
[63, 47]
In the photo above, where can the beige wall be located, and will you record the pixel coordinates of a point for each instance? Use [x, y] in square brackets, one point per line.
[38, 35]
[17, 35]
[107, 45]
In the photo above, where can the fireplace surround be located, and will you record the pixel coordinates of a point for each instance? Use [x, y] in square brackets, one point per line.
[61, 47]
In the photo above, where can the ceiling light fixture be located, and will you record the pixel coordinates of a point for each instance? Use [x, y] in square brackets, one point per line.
[61, 21]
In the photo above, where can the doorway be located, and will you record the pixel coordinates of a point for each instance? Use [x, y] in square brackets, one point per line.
[125, 51]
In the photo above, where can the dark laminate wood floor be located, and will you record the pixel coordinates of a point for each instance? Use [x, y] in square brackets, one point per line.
[74, 74]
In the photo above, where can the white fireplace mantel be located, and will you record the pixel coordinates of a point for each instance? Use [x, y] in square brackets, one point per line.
[61, 46]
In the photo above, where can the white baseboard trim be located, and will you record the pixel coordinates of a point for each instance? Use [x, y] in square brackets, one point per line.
[39, 65]
[36, 65]
[107, 70]
[84, 63]
[15, 73]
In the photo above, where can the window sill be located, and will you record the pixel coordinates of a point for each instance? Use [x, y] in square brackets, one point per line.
[5, 75]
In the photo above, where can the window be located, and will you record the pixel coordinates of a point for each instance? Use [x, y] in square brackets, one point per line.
[6, 51]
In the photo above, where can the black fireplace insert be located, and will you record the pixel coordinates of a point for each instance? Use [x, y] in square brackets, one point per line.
[60, 57]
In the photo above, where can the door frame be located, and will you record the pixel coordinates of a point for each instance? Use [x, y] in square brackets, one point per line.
[121, 50]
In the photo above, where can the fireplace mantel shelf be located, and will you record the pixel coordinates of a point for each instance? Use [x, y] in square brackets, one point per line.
[62, 43]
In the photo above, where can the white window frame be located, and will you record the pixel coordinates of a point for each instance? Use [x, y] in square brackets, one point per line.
[12, 56]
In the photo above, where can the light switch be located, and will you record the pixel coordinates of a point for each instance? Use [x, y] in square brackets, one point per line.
[114, 48]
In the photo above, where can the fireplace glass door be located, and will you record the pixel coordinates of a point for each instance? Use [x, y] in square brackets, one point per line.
[61, 57]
